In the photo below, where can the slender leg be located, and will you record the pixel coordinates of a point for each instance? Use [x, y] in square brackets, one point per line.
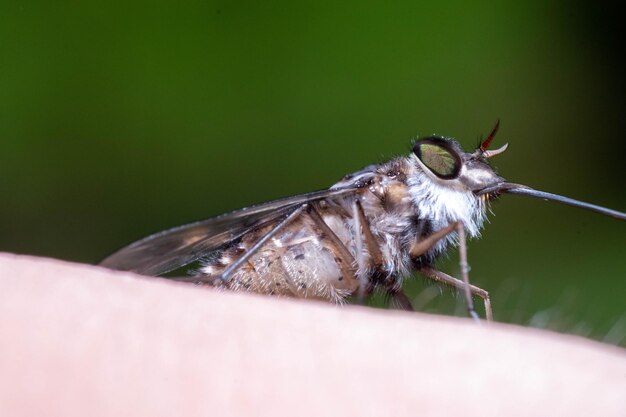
[343, 257]
[370, 240]
[225, 275]
[398, 298]
[360, 255]
[362, 231]
[457, 283]
[421, 247]
[465, 271]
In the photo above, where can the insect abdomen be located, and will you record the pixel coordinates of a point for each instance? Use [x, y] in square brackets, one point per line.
[298, 262]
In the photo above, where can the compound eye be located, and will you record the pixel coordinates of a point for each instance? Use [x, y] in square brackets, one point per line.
[439, 157]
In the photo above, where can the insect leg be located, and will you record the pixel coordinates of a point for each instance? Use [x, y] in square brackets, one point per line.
[343, 257]
[362, 230]
[457, 283]
[360, 255]
[225, 275]
[370, 241]
[465, 271]
[397, 297]
[421, 247]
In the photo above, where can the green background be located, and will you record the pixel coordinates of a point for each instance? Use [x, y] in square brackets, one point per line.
[119, 119]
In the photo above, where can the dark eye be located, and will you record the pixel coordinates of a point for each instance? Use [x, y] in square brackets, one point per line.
[438, 157]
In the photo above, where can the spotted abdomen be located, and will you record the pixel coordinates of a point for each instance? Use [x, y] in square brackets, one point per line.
[298, 262]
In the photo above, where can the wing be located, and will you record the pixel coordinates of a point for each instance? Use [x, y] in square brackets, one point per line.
[174, 248]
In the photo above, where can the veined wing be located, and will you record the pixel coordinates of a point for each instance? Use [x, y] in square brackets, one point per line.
[174, 248]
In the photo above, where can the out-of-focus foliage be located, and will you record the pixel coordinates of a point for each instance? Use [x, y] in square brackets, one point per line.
[121, 119]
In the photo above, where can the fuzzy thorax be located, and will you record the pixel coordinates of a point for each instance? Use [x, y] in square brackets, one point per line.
[441, 204]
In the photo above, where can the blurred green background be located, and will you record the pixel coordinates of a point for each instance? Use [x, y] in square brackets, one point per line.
[119, 119]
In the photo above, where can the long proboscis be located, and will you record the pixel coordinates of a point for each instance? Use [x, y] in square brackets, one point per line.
[511, 188]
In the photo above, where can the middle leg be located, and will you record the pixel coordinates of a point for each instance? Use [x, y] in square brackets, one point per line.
[458, 284]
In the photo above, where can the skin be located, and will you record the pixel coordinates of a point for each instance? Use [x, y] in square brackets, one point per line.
[81, 340]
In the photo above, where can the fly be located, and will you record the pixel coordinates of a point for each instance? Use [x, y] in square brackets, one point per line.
[369, 231]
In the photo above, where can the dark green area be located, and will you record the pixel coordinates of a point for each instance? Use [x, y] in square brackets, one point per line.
[121, 119]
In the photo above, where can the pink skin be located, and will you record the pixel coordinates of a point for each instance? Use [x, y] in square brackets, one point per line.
[78, 340]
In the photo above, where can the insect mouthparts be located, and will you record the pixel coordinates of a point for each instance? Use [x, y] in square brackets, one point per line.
[512, 188]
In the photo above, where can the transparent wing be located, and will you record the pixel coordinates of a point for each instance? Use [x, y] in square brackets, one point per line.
[174, 248]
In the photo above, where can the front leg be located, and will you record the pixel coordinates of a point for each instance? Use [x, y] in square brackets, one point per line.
[423, 246]
[465, 271]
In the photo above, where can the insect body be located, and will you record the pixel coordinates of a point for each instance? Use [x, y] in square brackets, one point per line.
[370, 230]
